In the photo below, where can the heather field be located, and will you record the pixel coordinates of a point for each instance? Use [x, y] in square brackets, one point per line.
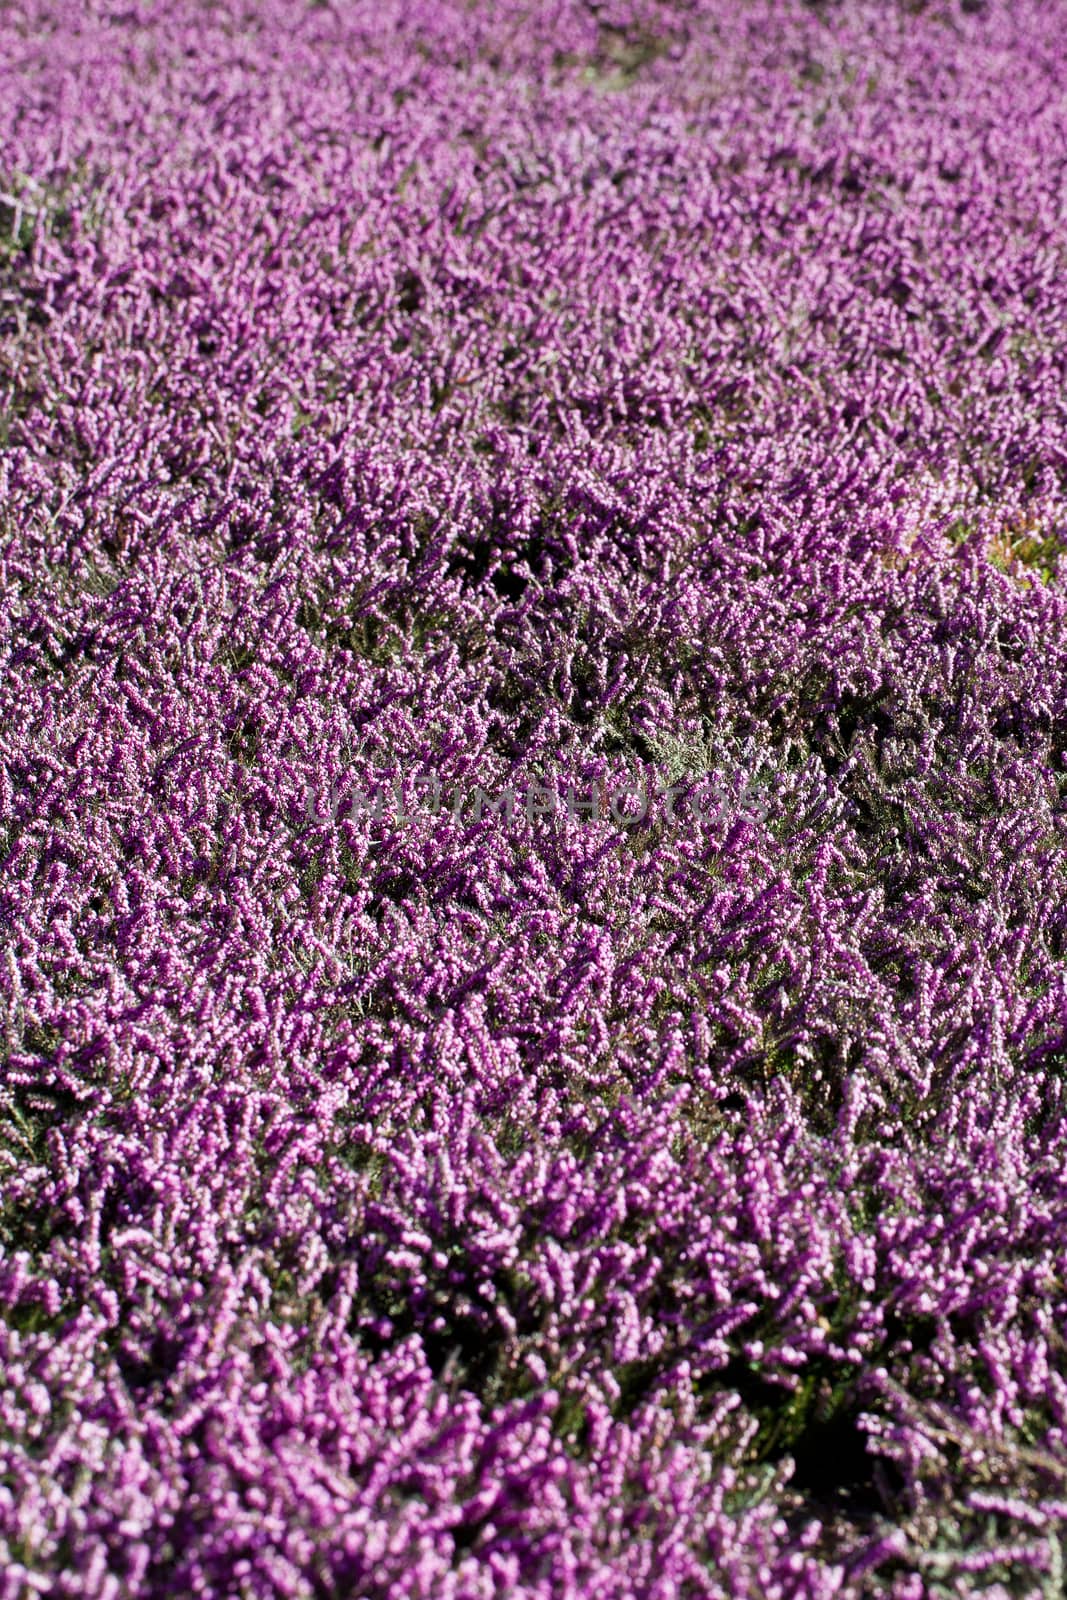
[533, 799]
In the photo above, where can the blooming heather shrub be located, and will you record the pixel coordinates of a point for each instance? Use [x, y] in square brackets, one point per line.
[447, 1205]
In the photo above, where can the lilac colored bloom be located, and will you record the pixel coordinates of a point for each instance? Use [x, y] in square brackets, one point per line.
[533, 744]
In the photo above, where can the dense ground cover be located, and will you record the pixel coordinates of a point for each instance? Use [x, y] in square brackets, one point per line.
[452, 1205]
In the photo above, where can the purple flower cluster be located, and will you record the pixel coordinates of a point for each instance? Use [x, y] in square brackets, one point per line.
[429, 1208]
